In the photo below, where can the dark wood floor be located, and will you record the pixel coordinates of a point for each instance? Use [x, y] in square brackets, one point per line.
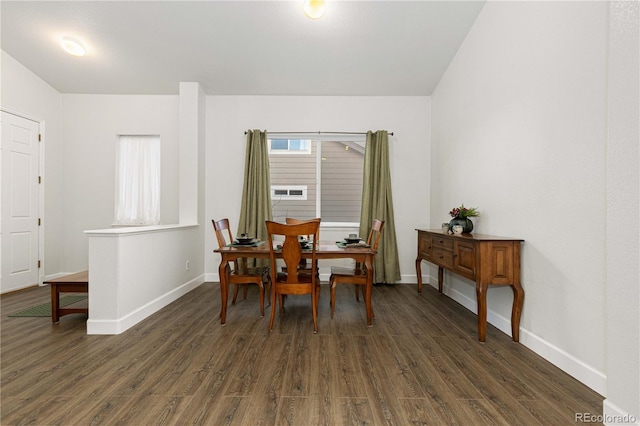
[420, 363]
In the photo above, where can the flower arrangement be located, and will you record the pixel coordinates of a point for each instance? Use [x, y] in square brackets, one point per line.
[463, 212]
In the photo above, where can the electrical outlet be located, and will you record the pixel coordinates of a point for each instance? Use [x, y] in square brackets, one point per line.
[187, 266]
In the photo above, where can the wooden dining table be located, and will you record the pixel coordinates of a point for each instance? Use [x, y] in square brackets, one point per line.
[324, 250]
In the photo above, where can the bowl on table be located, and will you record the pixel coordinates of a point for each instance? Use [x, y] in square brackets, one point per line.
[244, 239]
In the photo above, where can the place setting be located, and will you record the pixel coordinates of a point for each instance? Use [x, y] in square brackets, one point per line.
[244, 240]
[352, 240]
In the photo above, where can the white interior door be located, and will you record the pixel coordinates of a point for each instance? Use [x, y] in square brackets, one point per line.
[19, 225]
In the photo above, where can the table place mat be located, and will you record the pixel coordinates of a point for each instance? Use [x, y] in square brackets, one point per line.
[342, 244]
[253, 244]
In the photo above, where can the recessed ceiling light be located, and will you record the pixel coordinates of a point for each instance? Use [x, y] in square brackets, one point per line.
[314, 9]
[72, 46]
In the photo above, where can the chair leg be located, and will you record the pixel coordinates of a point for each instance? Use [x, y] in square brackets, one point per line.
[314, 307]
[269, 289]
[235, 294]
[363, 290]
[357, 288]
[261, 298]
[273, 310]
[246, 290]
[332, 286]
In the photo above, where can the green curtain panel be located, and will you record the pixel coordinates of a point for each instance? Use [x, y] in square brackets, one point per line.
[256, 197]
[377, 203]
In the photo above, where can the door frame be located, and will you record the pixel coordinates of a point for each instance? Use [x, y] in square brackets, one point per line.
[41, 212]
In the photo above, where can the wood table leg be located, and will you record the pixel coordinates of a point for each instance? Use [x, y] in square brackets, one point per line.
[481, 295]
[419, 274]
[368, 263]
[55, 304]
[223, 271]
[440, 278]
[516, 311]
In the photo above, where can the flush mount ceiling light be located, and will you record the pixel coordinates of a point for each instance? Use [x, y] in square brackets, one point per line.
[72, 46]
[314, 9]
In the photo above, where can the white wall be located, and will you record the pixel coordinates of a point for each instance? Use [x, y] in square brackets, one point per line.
[90, 125]
[26, 93]
[408, 117]
[519, 131]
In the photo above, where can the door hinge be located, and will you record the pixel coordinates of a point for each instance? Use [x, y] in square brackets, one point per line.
[38, 264]
[39, 179]
[39, 137]
[39, 221]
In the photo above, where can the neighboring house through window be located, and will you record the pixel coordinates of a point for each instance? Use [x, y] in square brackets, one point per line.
[317, 178]
[138, 180]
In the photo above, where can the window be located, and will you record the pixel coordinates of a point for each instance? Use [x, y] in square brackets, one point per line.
[288, 192]
[324, 182]
[138, 180]
[289, 146]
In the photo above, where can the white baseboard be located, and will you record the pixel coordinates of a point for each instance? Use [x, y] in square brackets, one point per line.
[58, 275]
[573, 366]
[568, 363]
[122, 324]
[614, 415]
[54, 276]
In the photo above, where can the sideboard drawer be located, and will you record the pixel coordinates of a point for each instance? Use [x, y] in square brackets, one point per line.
[445, 243]
[443, 258]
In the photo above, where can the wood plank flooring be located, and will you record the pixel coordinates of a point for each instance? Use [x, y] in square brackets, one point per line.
[419, 364]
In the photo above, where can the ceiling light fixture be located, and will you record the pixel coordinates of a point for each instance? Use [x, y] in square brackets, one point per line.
[314, 9]
[72, 46]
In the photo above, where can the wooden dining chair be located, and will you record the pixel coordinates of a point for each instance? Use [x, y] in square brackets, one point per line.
[358, 274]
[241, 275]
[294, 281]
[304, 263]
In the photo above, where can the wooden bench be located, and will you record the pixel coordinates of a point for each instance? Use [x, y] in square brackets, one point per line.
[73, 283]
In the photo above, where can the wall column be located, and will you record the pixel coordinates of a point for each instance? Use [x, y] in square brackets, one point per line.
[191, 133]
[622, 314]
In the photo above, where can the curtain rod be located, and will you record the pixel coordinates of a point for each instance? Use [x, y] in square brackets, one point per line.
[320, 133]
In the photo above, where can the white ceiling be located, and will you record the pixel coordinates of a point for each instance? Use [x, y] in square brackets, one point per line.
[239, 47]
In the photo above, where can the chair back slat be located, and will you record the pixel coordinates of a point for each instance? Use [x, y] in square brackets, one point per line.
[375, 233]
[291, 248]
[219, 227]
[293, 221]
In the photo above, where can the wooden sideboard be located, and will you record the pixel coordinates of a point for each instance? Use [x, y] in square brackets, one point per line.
[485, 259]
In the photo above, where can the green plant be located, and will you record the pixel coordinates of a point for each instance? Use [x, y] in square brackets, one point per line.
[464, 212]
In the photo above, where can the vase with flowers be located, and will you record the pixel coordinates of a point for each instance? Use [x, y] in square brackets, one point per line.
[461, 217]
